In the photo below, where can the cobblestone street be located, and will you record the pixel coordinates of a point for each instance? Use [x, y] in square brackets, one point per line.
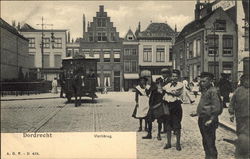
[111, 113]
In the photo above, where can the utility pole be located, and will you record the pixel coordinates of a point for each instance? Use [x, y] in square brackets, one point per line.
[42, 46]
[215, 52]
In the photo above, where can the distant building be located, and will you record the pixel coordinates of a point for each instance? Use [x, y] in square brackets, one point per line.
[240, 11]
[155, 48]
[72, 47]
[131, 60]
[102, 41]
[53, 52]
[14, 53]
[209, 43]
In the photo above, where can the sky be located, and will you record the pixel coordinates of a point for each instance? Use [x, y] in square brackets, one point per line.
[124, 14]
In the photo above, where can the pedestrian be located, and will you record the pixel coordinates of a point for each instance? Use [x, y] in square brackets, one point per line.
[225, 88]
[166, 74]
[195, 87]
[208, 110]
[186, 89]
[239, 107]
[62, 82]
[173, 92]
[142, 101]
[155, 100]
[54, 86]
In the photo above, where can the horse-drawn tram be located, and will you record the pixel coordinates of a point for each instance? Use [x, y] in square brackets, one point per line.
[78, 78]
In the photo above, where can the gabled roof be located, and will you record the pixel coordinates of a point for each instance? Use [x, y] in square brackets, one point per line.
[26, 27]
[5, 25]
[130, 32]
[195, 25]
[157, 31]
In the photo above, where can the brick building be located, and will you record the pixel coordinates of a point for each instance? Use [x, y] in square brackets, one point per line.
[130, 57]
[14, 53]
[155, 47]
[102, 41]
[208, 43]
[53, 52]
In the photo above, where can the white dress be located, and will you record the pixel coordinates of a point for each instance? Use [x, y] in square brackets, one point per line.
[143, 102]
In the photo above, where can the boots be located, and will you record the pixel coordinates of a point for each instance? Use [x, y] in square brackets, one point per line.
[149, 136]
[168, 145]
[159, 136]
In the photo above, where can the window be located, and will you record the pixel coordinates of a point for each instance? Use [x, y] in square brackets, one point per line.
[117, 57]
[101, 22]
[106, 57]
[130, 37]
[126, 66]
[198, 47]
[170, 54]
[31, 42]
[69, 53]
[227, 68]
[227, 45]
[212, 66]
[58, 61]
[160, 54]
[58, 43]
[76, 51]
[147, 54]
[46, 42]
[181, 53]
[101, 37]
[107, 81]
[213, 44]
[220, 25]
[91, 37]
[190, 50]
[198, 70]
[134, 66]
[126, 52]
[46, 61]
[194, 48]
[133, 52]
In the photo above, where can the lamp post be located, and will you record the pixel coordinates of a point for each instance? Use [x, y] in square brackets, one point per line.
[42, 46]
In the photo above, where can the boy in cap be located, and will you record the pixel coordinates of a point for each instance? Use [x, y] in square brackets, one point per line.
[173, 91]
[208, 109]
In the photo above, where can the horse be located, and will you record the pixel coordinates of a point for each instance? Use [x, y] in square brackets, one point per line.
[77, 85]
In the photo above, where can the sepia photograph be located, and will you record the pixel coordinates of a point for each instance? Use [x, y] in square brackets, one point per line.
[118, 79]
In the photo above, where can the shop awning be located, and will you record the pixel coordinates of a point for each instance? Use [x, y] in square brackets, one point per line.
[131, 76]
[154, 77]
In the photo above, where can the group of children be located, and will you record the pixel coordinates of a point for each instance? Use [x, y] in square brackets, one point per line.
[161, 101]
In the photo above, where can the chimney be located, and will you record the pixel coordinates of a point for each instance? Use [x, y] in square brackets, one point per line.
[101, 8]
[83, 25]
[175, 28]
[139, 27]
[14, 23]
[197, 10]
[69, 37]
[18, 26]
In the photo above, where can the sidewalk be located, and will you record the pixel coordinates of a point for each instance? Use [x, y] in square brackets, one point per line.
[30, 97]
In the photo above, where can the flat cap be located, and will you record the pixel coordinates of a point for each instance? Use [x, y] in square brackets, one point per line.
[207, 74]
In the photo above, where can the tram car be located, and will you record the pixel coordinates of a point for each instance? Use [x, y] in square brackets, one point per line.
[86, 70]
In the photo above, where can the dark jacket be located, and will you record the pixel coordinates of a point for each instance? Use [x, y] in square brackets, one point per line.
[225, 87]
[209, 105]
[155, 96]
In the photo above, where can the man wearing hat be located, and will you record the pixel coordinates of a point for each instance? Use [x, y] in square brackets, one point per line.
[208, 109]
[239, 107]
[225, 88]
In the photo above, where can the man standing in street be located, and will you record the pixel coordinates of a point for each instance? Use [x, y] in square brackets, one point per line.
[208, 110]
[239, 107]
[225, 88]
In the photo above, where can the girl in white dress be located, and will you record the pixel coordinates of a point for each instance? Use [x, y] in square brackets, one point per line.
[142, 101]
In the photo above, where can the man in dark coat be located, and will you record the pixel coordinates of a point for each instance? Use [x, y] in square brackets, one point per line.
[225, 88]
[208, 110]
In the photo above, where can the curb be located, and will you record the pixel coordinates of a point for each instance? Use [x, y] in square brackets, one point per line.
[227, 127]
[28, 99]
